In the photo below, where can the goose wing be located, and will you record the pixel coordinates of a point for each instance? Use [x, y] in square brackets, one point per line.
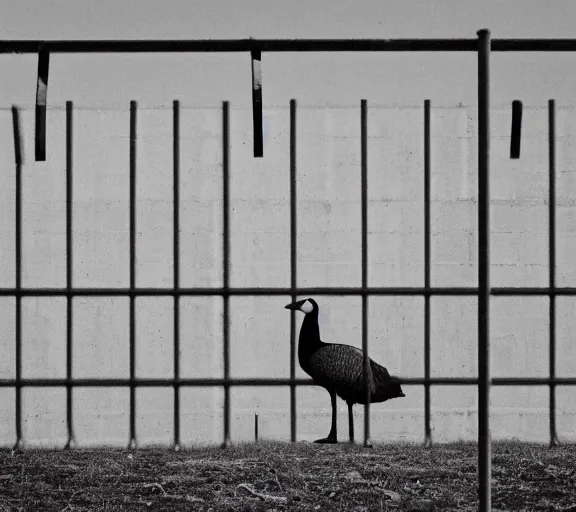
[341, 367]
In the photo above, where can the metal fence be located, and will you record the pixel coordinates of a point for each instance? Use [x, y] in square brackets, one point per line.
[483, 46]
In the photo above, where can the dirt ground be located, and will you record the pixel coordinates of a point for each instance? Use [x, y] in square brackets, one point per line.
[275, 477]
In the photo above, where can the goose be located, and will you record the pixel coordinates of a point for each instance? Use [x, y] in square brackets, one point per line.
[339, 369]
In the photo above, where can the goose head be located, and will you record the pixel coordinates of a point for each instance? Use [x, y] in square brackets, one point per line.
[306, 306]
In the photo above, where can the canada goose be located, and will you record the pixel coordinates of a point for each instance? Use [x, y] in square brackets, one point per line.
[339, 369]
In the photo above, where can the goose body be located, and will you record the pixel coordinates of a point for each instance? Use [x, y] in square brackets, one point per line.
[339, 369]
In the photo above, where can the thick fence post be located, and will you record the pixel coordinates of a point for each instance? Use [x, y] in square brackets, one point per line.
[484, 448]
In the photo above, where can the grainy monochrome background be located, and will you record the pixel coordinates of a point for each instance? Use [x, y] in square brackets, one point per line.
[328, 88]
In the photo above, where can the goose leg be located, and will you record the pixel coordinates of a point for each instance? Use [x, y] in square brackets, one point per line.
[332, 436]
[350, 422]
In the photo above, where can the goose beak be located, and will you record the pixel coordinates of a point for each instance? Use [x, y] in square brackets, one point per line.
[294, 305]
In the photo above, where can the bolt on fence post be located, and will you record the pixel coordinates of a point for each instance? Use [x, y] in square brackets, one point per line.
[484, 443]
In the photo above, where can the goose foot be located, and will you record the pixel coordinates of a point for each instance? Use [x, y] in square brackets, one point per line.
[327, 440]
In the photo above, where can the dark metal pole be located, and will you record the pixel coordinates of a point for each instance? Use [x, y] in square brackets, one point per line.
[364, 213]
[176, 263]
[69, 270]
[41, 98]
[552, 262]
[18, 271]
[133, 114]
[278, 45]
[427, 155]
[484, 444]
[516, 130]
[256, 57]
[293, 265]
[226, 262]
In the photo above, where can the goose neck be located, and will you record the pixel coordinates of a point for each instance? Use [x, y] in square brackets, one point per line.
[310, 332]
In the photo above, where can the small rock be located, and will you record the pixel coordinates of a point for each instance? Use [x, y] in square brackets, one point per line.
[354, 476]
[391, 495]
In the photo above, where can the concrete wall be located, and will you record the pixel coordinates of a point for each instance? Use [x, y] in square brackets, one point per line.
[328, 254]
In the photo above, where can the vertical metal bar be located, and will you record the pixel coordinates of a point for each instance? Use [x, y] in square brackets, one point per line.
[484, 444]
[255, 428]
[364, 214]
[69, 269]
[226, 262]
[552, 262]
[427, 155]
[176, 260]
[256, 57]
[18, 271]
[516, 130]
[293, 265]
[41, 99]
[133, 116]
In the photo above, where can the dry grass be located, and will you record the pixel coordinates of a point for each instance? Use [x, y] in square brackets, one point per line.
[283, 476]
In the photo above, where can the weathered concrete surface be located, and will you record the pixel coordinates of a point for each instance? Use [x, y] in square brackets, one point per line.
[328, 254]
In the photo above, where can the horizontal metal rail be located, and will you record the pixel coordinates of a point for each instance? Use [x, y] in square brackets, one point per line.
[206, 382]
[285, 45]
[225, 292]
